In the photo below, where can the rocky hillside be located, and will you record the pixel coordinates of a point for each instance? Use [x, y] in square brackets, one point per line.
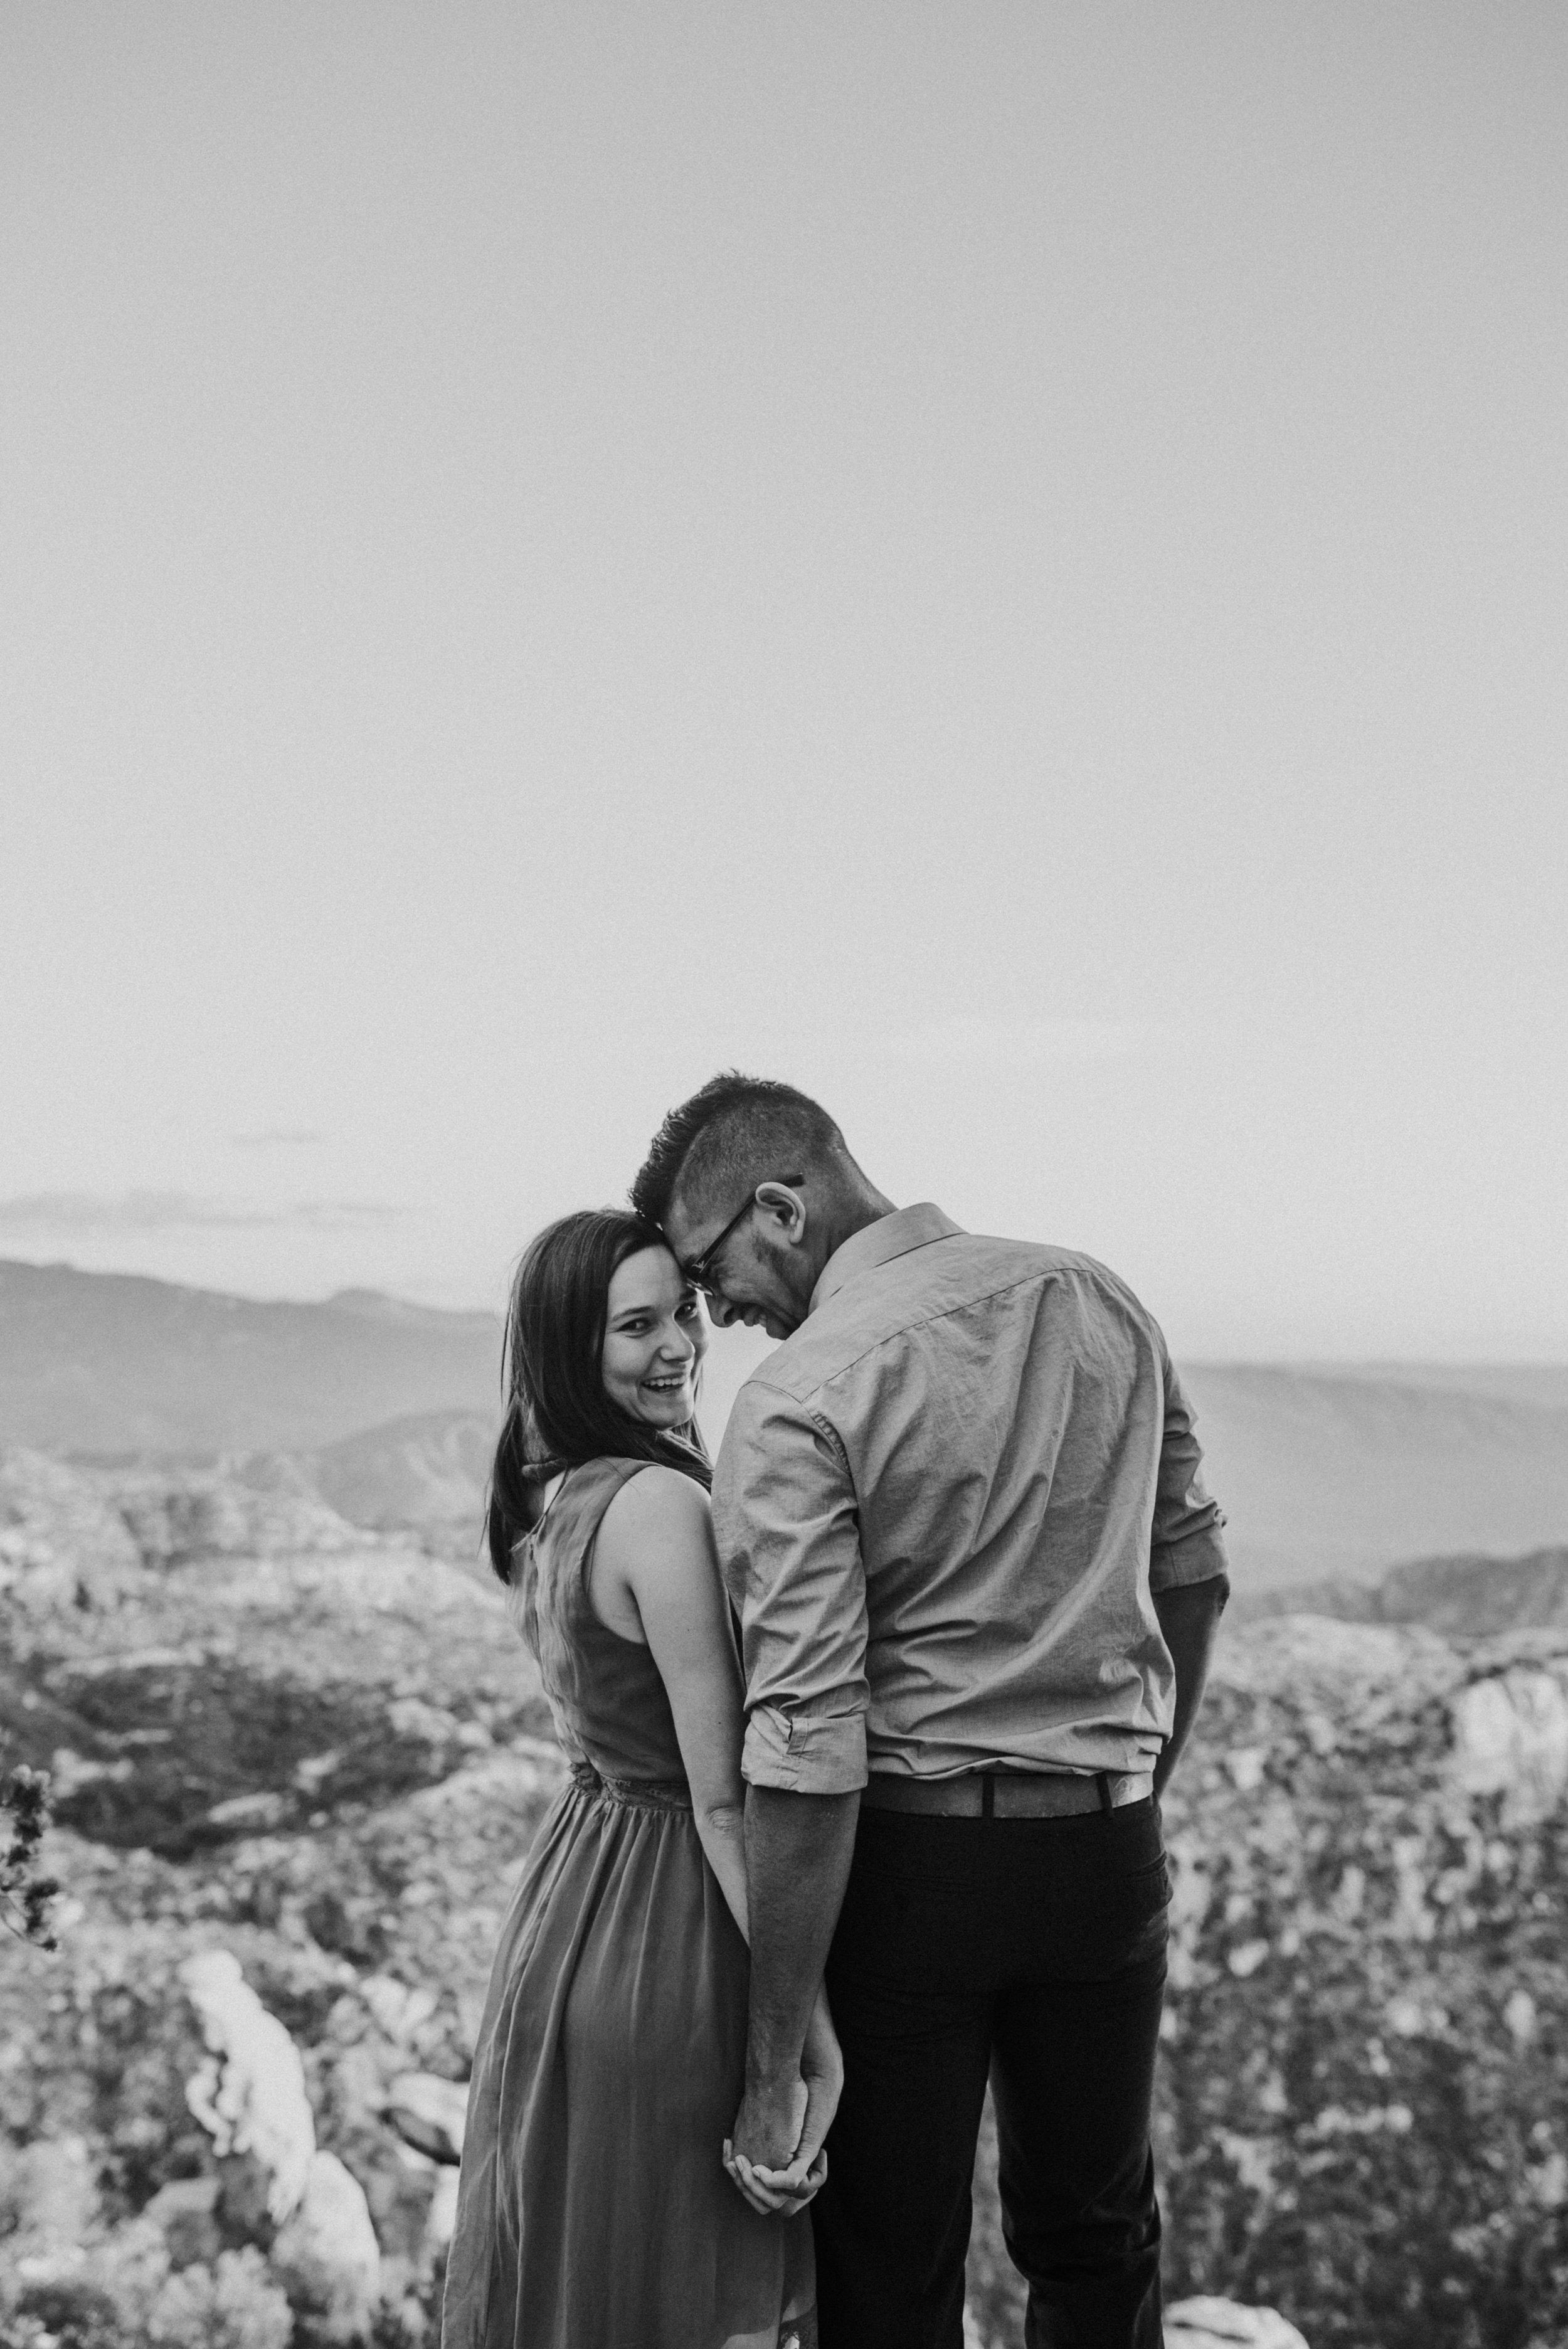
[298, 1767]
[1463, 1596]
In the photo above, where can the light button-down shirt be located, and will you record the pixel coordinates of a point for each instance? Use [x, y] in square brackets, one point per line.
[942, 1507]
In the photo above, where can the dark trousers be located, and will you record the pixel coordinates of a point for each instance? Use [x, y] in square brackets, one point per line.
[1033, 1950]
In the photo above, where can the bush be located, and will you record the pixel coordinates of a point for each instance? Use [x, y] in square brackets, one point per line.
[233, 2305]
[73, 2311]
[26, 1892]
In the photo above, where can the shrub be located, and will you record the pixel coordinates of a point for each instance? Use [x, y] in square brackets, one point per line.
[231, 2305]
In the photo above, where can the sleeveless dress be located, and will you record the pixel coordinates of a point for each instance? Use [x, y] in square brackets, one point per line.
[593, 2208]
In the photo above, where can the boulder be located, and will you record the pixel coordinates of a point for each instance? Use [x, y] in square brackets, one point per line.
[397, 2009]
[51, 2193]
[62, 1545]
[326, 2257]
[1210, 2324]
[443, 2213]
[192, 1516]
[1510, 1738]
[185, 2214]
[428, 2113]
[1378, 1670]
[250, 2096]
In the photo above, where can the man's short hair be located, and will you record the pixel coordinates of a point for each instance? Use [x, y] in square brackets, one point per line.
[738, 1131]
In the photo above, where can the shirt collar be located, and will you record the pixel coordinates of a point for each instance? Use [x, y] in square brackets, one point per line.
[879, 1243]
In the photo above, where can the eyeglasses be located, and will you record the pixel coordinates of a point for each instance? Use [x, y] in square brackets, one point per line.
[699, 1270]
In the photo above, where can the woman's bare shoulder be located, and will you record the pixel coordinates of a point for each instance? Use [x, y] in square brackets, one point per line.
[656, 1501]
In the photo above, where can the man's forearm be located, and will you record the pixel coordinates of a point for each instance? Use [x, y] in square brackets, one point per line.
[798, 1853]
[1189, 1617]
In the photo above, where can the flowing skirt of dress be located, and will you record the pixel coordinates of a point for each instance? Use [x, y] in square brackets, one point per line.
[594, 2210]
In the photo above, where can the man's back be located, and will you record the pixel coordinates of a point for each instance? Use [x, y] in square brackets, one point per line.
[954, 1510]
[935, 1505]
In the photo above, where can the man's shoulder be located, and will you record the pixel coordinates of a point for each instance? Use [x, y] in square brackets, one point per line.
[872, 1312]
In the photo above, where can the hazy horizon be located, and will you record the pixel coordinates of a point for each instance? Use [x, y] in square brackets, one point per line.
[738, 1348]
[1003, 565]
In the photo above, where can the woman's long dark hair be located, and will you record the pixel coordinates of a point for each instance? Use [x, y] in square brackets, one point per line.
[558, 1413]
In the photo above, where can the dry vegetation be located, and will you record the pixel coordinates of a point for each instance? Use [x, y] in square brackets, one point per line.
[328, 1761]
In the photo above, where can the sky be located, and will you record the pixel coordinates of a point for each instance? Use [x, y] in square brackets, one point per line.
[1005, 564]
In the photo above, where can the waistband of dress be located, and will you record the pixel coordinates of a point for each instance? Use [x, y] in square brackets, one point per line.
[635, 1793]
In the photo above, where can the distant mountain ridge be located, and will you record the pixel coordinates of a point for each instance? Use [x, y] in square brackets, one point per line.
[95, 1361]
[1463, 1598]
[1335, 1475]
[428, 1469]
[386, 1411]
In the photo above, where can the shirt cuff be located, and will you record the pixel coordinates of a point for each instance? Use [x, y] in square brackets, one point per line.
[1196, 1557]
[805, 1753]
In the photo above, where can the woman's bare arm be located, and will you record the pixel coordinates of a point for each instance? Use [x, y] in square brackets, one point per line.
[656, 1571]
[656, 1549]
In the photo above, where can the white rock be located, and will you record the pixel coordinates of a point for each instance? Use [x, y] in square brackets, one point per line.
[252, 1812]
[1338, 2120]
[184, 2211]
[1211, 2323]
[371, 1579]
[251, 2097]
[326, 2257]
[58, 1535]
[1246, 1765]
[399, 2010]
[428, 2112]
[199, 1515]
[442, 2217]
[511, 1777]
[53, 2192]
[53, 2266]
[1519, 2016]
[1246, 1957]
[1510, 1738]
[1202, 2324]
[1312, 1656]
[1549, 2181]
[70, 1770]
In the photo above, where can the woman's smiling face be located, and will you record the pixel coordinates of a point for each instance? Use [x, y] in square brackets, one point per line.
[655, 1335]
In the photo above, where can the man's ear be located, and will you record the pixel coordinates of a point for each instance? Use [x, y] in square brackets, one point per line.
[785, 1210]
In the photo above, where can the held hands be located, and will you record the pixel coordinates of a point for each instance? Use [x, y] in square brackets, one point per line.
[776, 2156]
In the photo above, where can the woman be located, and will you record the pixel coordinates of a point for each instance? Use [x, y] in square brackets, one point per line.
[593, 2207]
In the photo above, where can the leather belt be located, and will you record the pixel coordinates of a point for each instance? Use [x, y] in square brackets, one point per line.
[1008, 1793]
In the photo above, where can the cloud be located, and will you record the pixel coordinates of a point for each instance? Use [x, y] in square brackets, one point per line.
[168, 1211]
[279, 1137]
[1030, 1043]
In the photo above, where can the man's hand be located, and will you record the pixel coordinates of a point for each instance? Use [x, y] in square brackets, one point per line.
[811, 2101]
[762, 2156]
[768, 2125]
[1189, 1616]
[797, 1850]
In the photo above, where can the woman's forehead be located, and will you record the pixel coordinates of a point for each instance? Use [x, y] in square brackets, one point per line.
[652, 1276]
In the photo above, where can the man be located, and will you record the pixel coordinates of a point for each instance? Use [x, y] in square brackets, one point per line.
[960, 1513]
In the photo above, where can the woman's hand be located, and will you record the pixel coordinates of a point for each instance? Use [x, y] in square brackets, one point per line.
[784, 2191]
[822, 2077]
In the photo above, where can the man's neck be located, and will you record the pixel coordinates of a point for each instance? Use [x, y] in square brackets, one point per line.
[853, 1217]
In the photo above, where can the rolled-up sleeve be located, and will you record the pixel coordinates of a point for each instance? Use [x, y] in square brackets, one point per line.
[788, 1529]
[1187, 1545]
